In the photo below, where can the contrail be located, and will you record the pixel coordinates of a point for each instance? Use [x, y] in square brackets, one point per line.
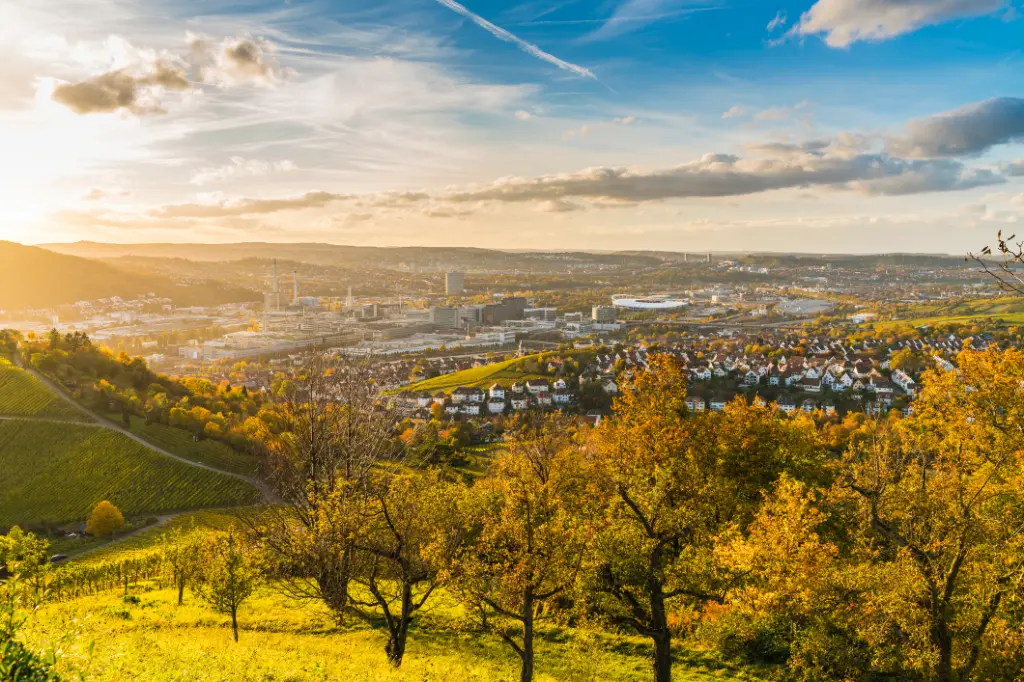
[502, 34]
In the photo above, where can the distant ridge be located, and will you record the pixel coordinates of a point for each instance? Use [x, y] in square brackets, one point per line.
[34, 277]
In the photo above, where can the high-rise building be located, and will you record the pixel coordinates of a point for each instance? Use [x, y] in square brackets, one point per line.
[454, 283]
[604, 314]
[272, 299]
[445, 318]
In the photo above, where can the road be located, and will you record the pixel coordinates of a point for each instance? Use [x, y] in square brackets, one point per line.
[102, 422]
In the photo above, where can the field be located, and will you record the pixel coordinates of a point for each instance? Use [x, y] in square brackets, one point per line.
[57, 472]
[1009, 310]
[284, 640]
[505, 373]
[179, 441]
[22, 395]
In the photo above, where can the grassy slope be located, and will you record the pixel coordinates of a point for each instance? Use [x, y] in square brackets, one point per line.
[57, 472]
[505, 373]
[179, 441]
[22, 395]
[1010, 310]
[284, 640]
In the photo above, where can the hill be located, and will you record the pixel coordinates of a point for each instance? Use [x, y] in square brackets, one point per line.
[504, 373]
[56, 472]
[33, 277]
[357, 256]
[22, 395]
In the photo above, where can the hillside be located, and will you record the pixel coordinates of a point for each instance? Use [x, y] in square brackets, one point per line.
[504, 373]
[22, 395]
[56, 472]
[33, 277]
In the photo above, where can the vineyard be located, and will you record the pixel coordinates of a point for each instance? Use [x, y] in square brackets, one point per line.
[210, 452]
[57, 472]
[22, 395]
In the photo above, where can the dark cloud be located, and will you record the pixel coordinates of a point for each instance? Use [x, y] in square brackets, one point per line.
[121, 89]
[721, 175]
[234, 60]
[966, 131]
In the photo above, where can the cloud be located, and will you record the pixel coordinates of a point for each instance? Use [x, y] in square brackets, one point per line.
[626, 120]
[558, 206]
[844, 22]
[248, 206]
[632, 15]
[235, 61]
[966, 131]
[136, 90]
[523, 115]
[98, 193]
[1014, 168]
[779, 113]
[722, 175]
[777, 22]
[526, 47]
[734, 112]
[241, 168]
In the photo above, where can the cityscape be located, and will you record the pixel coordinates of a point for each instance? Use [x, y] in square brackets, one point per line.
[495, 340]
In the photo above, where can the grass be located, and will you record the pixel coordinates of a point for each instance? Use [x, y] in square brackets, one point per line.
[105, 638]
[505, 373]
[179, 441]
[1009, 310]
[22, 395]
[58, 472]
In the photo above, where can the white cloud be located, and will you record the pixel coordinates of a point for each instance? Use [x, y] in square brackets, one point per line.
[241, 168]
[734, 112]
[523, 115]
[844, 22]
[779, 113]
[777, 22]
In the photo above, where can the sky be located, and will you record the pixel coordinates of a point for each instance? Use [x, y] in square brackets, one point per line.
[831, 126]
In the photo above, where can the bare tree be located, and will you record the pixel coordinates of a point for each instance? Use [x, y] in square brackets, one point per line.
[1004, 272]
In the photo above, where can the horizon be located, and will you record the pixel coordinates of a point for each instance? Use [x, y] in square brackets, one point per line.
[819, 126]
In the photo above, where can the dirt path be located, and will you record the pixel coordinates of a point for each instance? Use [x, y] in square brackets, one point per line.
[268, 494]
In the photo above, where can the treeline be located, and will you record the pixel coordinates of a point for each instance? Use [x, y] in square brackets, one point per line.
[125, 386]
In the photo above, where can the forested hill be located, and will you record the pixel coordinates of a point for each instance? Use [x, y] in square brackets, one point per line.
[33, 277]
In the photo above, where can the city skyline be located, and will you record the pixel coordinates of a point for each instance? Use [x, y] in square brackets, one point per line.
[804, 126]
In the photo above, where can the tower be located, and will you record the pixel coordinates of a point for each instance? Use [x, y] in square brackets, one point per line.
[709, 257]
[351, 301]
[295, 286]
[276, 289]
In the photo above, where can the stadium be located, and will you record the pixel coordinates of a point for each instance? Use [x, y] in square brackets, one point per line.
[648, 302]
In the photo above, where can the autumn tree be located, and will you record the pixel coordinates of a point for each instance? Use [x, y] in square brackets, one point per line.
[674, 484]
[182, 557]
[231, 574]
[23, 556]
[940, 503]
[104, 519]
[530, 521]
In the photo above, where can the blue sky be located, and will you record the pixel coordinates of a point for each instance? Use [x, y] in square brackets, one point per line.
[812, 125]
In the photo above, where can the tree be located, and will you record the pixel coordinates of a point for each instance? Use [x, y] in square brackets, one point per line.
[529, 524]
[673, 486]
[182, 556]
[232, 573]
[23, 556]
[104, 519]
[940, 502]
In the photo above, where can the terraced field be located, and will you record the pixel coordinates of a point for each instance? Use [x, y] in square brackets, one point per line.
[22, 395]
[57, 472]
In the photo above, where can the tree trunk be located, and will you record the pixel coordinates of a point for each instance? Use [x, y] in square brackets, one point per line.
[943, 641]
[526, 674]
[181, 591]
[399, 632]
[660, 632]
[234, 621]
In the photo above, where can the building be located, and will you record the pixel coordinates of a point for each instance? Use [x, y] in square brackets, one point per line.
[510, 308]
[604, 314]
[454, 283]
[445, 318]
[541, 314]
[272, 301]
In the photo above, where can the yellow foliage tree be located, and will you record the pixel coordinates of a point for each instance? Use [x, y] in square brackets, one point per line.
[104, 519]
